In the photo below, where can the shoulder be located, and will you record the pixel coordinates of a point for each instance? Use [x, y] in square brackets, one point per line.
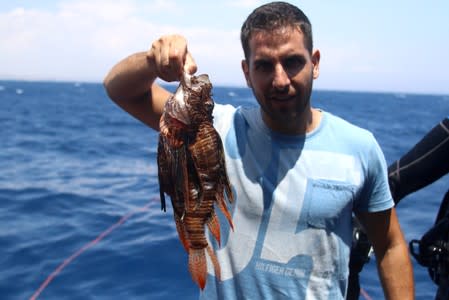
[223, 115]
[353, 139]
[347, 128]
[361, 143]
[228, 115]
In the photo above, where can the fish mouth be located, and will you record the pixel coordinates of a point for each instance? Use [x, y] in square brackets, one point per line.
[177, 107]
[193, 82]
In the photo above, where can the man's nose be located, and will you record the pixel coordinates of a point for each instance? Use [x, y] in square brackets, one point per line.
[280, 77]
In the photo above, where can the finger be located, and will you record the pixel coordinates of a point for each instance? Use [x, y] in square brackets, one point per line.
[156, 50]
[172, 57]
[165, 53]
[190, 66]
[177, 59]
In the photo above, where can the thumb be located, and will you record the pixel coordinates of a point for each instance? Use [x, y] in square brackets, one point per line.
[190, 66]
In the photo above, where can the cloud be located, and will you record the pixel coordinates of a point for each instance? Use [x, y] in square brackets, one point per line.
[81, 40]
[44, 44]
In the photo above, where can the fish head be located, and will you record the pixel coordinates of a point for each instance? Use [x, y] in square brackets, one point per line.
[192, 101]
[176, 106]
[199, 97]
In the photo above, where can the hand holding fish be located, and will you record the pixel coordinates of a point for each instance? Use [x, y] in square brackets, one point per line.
[131, 82]
[171, 57]
[191, 166]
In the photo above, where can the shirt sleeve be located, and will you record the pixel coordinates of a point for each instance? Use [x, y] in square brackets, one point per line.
[375, 194]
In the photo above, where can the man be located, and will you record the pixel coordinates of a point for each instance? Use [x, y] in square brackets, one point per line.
[298, 172]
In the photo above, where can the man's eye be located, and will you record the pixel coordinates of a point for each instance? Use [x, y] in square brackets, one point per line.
[263, 66]
[293, 63]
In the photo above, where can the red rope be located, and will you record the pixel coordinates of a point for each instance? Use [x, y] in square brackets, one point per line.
[84, 248]
[365, 294]
[96, 241]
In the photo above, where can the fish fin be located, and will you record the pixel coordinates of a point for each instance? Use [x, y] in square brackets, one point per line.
[214, 261]
[162, 197]
[182, 233]
[214, 226]
[184, 176]
[228, 190]
[224, 175]
[198, 266]
[222, 205]
[161, 164]
[161, 191]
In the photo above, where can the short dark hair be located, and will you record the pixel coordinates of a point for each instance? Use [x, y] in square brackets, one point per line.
[273, 16]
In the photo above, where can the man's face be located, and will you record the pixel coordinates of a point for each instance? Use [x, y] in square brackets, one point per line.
[280, 71]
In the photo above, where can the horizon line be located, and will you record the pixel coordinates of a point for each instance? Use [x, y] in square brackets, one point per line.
[163, 83]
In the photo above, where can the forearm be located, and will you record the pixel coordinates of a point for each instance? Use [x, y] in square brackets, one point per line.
[396, 273]
[393, 260]
[425, 163]
[130, 78]
[130, 84]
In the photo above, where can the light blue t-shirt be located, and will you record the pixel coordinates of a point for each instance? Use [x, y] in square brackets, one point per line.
[294, 198]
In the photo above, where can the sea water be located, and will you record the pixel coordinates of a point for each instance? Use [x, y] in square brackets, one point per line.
[80, 215]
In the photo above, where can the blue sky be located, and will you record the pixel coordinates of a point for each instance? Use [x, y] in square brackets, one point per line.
[393, 46]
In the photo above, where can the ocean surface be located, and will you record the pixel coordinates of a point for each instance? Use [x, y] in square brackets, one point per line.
[80, 214]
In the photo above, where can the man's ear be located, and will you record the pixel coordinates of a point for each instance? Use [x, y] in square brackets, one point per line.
[316, 55]
[245, 69]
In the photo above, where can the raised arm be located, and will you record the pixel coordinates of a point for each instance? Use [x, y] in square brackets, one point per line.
[131, 82]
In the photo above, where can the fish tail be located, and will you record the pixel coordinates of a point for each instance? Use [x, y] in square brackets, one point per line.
[198, 266]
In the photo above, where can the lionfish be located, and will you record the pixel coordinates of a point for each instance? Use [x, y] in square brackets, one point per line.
[192, 171]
